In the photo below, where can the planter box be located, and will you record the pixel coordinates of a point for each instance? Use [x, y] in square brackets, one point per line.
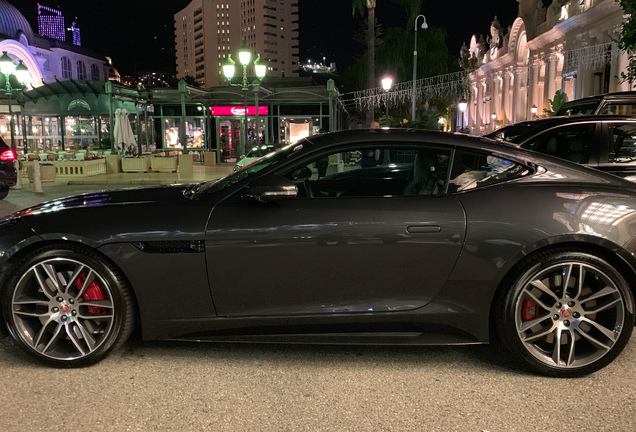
[185, 164]
[136, 164]
[47, 173]
[209, 158]
[80, 168]
[163, 164]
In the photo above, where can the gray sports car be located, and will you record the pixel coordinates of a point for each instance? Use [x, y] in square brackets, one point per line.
[373, 236]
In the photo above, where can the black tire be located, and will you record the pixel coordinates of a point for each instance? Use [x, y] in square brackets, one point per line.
[571, 296]
[67, 307]
[4, 191]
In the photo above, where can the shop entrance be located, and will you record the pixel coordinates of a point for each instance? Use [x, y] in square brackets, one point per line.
[229, 139]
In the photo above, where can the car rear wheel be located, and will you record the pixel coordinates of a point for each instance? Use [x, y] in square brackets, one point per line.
[67, 307]
[4, 191]
[568, 313]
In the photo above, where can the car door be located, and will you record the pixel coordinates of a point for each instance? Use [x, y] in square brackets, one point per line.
[359, 238]
[618, 154]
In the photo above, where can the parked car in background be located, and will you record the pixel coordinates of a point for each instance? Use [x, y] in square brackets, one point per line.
[607, 143]
[620, 103]
[8, 173]
[255, 153]
[430, 238]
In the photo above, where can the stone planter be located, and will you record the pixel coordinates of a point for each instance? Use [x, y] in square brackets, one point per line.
[185, 165]
[47, 173]
[135, 164]
[164, 164]
[209, 158]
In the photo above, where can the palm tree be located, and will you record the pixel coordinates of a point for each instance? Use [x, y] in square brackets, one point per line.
[412, 8]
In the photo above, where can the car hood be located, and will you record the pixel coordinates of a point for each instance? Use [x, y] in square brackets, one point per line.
[133, 196]
[121, 215]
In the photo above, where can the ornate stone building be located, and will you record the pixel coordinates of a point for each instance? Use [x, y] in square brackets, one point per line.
[566, 45]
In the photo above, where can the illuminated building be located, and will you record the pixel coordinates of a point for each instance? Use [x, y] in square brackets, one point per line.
[75, 32]
[207, 31]
[51, 23]
[568, 46]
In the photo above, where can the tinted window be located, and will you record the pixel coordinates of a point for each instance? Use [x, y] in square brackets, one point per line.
[509, 133]
[372, 171]
[473, 169]
[622, 108]
[578, 109]
[573, 142]
[622, 143]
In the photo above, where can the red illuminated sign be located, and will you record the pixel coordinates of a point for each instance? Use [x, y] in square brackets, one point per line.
[237, 110]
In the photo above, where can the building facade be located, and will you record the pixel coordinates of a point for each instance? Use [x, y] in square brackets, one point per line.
[568, 45]
[208, 31]
[49, 61]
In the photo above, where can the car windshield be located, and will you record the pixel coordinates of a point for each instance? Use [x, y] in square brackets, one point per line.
[265, 161]
[260, 151]
[509, 133]
[578, 109]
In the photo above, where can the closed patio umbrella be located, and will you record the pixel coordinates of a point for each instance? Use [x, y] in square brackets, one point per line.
[125, 142]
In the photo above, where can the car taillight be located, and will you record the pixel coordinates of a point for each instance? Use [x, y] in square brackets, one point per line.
[7, 155]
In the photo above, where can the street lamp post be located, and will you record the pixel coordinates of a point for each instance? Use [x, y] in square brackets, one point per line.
[387, 82]
[245, 56]
[424, 26]
[21, 74]
[463, 104]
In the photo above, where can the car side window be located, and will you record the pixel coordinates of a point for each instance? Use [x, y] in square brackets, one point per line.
[474, 169]
[622, 139]
[622, 108]
[373, 171]
[574, 142]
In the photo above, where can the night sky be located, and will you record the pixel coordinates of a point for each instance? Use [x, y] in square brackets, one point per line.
[139, 34]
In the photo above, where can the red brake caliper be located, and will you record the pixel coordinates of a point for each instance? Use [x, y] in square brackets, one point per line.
[529, 310]
[93, 293]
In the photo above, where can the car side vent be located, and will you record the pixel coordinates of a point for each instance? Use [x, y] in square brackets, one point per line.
[174, 246]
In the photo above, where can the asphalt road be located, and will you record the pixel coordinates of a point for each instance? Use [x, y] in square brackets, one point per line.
[164, 386]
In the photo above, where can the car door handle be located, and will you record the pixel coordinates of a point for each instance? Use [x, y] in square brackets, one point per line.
[420, 229]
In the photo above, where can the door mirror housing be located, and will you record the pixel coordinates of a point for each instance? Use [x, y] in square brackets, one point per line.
[272, 188]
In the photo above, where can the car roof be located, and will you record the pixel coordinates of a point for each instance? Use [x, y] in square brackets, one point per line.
[535, 127]
[606, 96]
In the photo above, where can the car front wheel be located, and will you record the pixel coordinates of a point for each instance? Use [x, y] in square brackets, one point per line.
[568, 313]
[67, 307]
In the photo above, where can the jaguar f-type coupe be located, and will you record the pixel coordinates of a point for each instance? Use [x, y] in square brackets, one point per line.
[368, 236]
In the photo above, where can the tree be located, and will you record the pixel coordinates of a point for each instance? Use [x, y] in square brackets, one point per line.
[395, 56]
[412, 8]
[627, 42]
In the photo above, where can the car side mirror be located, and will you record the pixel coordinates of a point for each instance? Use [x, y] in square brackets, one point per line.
[242, 157]
[272, 188]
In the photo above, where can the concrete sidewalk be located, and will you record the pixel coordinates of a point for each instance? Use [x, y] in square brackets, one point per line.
[200, 173]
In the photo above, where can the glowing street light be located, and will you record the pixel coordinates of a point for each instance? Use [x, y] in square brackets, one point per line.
[245, 57]
[462, 105]
[387, 82]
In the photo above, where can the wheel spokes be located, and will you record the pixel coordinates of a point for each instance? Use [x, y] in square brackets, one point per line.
[580, 326]
[63, 309]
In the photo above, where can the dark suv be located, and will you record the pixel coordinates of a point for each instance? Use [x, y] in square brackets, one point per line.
[620, 103]
[8, 174]
[607, 143]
